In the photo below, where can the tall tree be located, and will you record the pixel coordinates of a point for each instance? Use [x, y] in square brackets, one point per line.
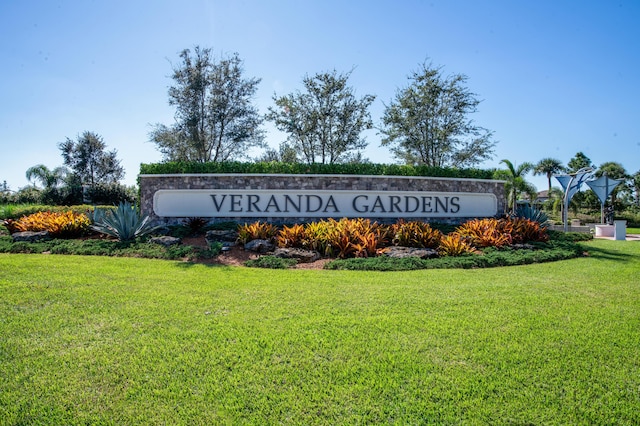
[635, 182]
[215, 117]
[325, 122]
[89, 162]
[516, 183]
[579, 161]
[428, 122]
[548, 167]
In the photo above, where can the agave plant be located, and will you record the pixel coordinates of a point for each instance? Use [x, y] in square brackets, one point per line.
[123, 223]
[532, 213]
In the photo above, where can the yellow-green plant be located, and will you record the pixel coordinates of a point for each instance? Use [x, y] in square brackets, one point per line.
[454, 245]
[60, 225]
[315, 237]
[488, 232]
[524, 230]
[354, 237]
[256, 231]
[415, 234]
[291, 236]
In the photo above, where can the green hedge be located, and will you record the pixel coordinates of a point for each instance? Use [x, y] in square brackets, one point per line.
[322, 169]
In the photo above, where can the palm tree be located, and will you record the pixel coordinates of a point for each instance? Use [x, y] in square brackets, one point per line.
[48, 178]
[548, 167]
[516, 183]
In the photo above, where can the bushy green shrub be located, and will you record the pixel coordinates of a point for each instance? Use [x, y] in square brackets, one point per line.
[98, 247]
[553, 250]
[271, 262]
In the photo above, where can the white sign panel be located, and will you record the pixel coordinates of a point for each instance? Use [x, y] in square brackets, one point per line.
[317, 203]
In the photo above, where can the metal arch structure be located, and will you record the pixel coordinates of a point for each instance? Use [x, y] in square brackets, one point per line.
[603, 187]
[571, 184]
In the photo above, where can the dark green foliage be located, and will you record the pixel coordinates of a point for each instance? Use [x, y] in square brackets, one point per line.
[381, 263]
[325, 121]
[271, 262]
[112, 193]
[558, 249]
[228, 225]
[195, 225]
[558, 236]
[317, 168]
[90, 162]
[98, 247]
[428, 122]
[215, 119]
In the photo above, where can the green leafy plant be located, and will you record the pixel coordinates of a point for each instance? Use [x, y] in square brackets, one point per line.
[454, 245]
[415, 234]
[195, 225]
[66, 224]
[124, 223]
[271, 262]
[255, 231]
[290, 236]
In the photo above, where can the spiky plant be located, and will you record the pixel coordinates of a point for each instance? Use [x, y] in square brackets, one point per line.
[124, 223]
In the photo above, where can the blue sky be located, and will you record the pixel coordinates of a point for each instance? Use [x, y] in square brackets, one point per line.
[555, 77]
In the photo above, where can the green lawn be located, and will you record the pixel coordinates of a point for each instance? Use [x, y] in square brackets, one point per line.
[91, 340]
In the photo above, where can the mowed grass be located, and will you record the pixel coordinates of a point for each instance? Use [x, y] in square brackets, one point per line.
[90, 340]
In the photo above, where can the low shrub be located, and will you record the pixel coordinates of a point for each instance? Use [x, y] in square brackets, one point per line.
[525, 230]
[195, 225]
[489, 258]
[60, 225]
[291, 236]
[256, 231]
[454, 245]
[486, 232]
[415, 234]
[382, 263]
[100, 247]
[271, 262]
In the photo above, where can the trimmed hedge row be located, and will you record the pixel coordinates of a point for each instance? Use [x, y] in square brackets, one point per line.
[322, 169]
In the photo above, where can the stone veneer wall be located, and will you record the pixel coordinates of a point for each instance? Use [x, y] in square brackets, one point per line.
[149, 184]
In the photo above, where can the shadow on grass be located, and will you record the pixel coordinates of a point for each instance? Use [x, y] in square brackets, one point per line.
[208, 264]
[605, 254]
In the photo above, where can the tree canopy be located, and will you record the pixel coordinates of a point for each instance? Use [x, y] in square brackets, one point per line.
[325, 122]
[548, 167]
[579, 161]
[428, 122]
[215, 118]
[89, 162]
